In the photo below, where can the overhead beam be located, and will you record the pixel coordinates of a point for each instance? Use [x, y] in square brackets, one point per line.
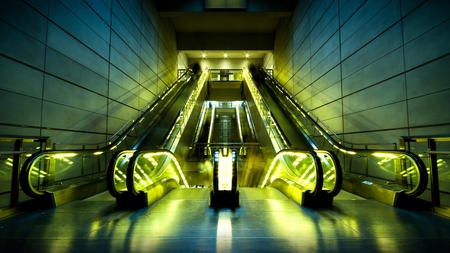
[199, 6]
[225, 41]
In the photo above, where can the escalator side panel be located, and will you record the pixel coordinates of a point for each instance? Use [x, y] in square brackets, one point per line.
[284, 120]
[156, 133]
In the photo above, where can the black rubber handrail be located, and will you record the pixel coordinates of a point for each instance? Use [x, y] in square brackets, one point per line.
[338, 172]
[25, 173]
[422, 183]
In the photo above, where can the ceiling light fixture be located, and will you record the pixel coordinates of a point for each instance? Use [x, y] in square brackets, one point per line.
[225, 55]
[247, 55]
[203, 55]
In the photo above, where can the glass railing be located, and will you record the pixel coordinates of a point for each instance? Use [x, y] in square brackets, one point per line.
[137, 168]
[149, 167]
[373, 163]
[178, 128]
[435, 151]
[329, 160]
[225, 75]
[332, 172]
[75, 164]
[135, 127]
[301, 168]
[14, 150]
[116, 173]
[56, 170]
[276, 137]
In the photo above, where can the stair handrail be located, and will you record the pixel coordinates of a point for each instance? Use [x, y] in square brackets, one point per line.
[422, 169]
[317, 122]
[135, 119]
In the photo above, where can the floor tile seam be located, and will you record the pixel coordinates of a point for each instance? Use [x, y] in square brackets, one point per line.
[343, 223]
[219, 237]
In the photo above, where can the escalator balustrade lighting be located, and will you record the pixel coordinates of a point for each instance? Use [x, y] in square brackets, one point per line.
[63, 155]
[145, 175]
[386, 155]
[225, 163]
[38, 172]
[120, 176]
[185, 113]
[345, 151]
[329, 175]
[273, 168]
[299, 158]
[277, 139]
[173, 159]
[307, 176]
[9, 162]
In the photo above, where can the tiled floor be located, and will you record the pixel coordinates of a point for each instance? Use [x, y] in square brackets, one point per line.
[266, 222]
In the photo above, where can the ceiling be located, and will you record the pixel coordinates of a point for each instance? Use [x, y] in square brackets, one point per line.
[234, 54]
[224, 22]
[260, 17]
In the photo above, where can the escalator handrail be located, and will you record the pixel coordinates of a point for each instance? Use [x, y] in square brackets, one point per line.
[307, 113]
[338, 173]
[130, 168]
[180, 112]
[283, 137]
[26, 170]
[111, 173]
[419, 188]
[132, 165]
[142, 114]
[317, 165]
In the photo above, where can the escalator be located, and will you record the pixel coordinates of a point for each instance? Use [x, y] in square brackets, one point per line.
[277, 145]
[137, 177]
[76, 171]
[310, 176]
[388, 175]
[158, 131]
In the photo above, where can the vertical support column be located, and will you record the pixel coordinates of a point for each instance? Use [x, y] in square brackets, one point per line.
[432, 159]
[14, 200]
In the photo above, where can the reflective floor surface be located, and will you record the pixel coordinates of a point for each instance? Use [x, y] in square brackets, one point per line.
[266, 222]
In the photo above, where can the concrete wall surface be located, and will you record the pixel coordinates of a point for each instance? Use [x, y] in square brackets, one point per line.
[372, 70]
[78, 70]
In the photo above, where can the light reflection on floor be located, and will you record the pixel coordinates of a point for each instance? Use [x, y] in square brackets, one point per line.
[267, 221]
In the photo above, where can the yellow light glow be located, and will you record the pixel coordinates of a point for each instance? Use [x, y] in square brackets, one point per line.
[63, 155]
[224, 233]
[247, 55]
[98, 153]
[225, 55]
[203, 55]
[174, 159]
[386, 155]
[225, 170]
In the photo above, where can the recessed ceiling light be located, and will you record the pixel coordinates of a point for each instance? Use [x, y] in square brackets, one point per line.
[203, 55]
[225, 55]
[247, 55]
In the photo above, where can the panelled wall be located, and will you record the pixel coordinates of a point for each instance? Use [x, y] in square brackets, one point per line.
[372, 70]
[78, 70]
